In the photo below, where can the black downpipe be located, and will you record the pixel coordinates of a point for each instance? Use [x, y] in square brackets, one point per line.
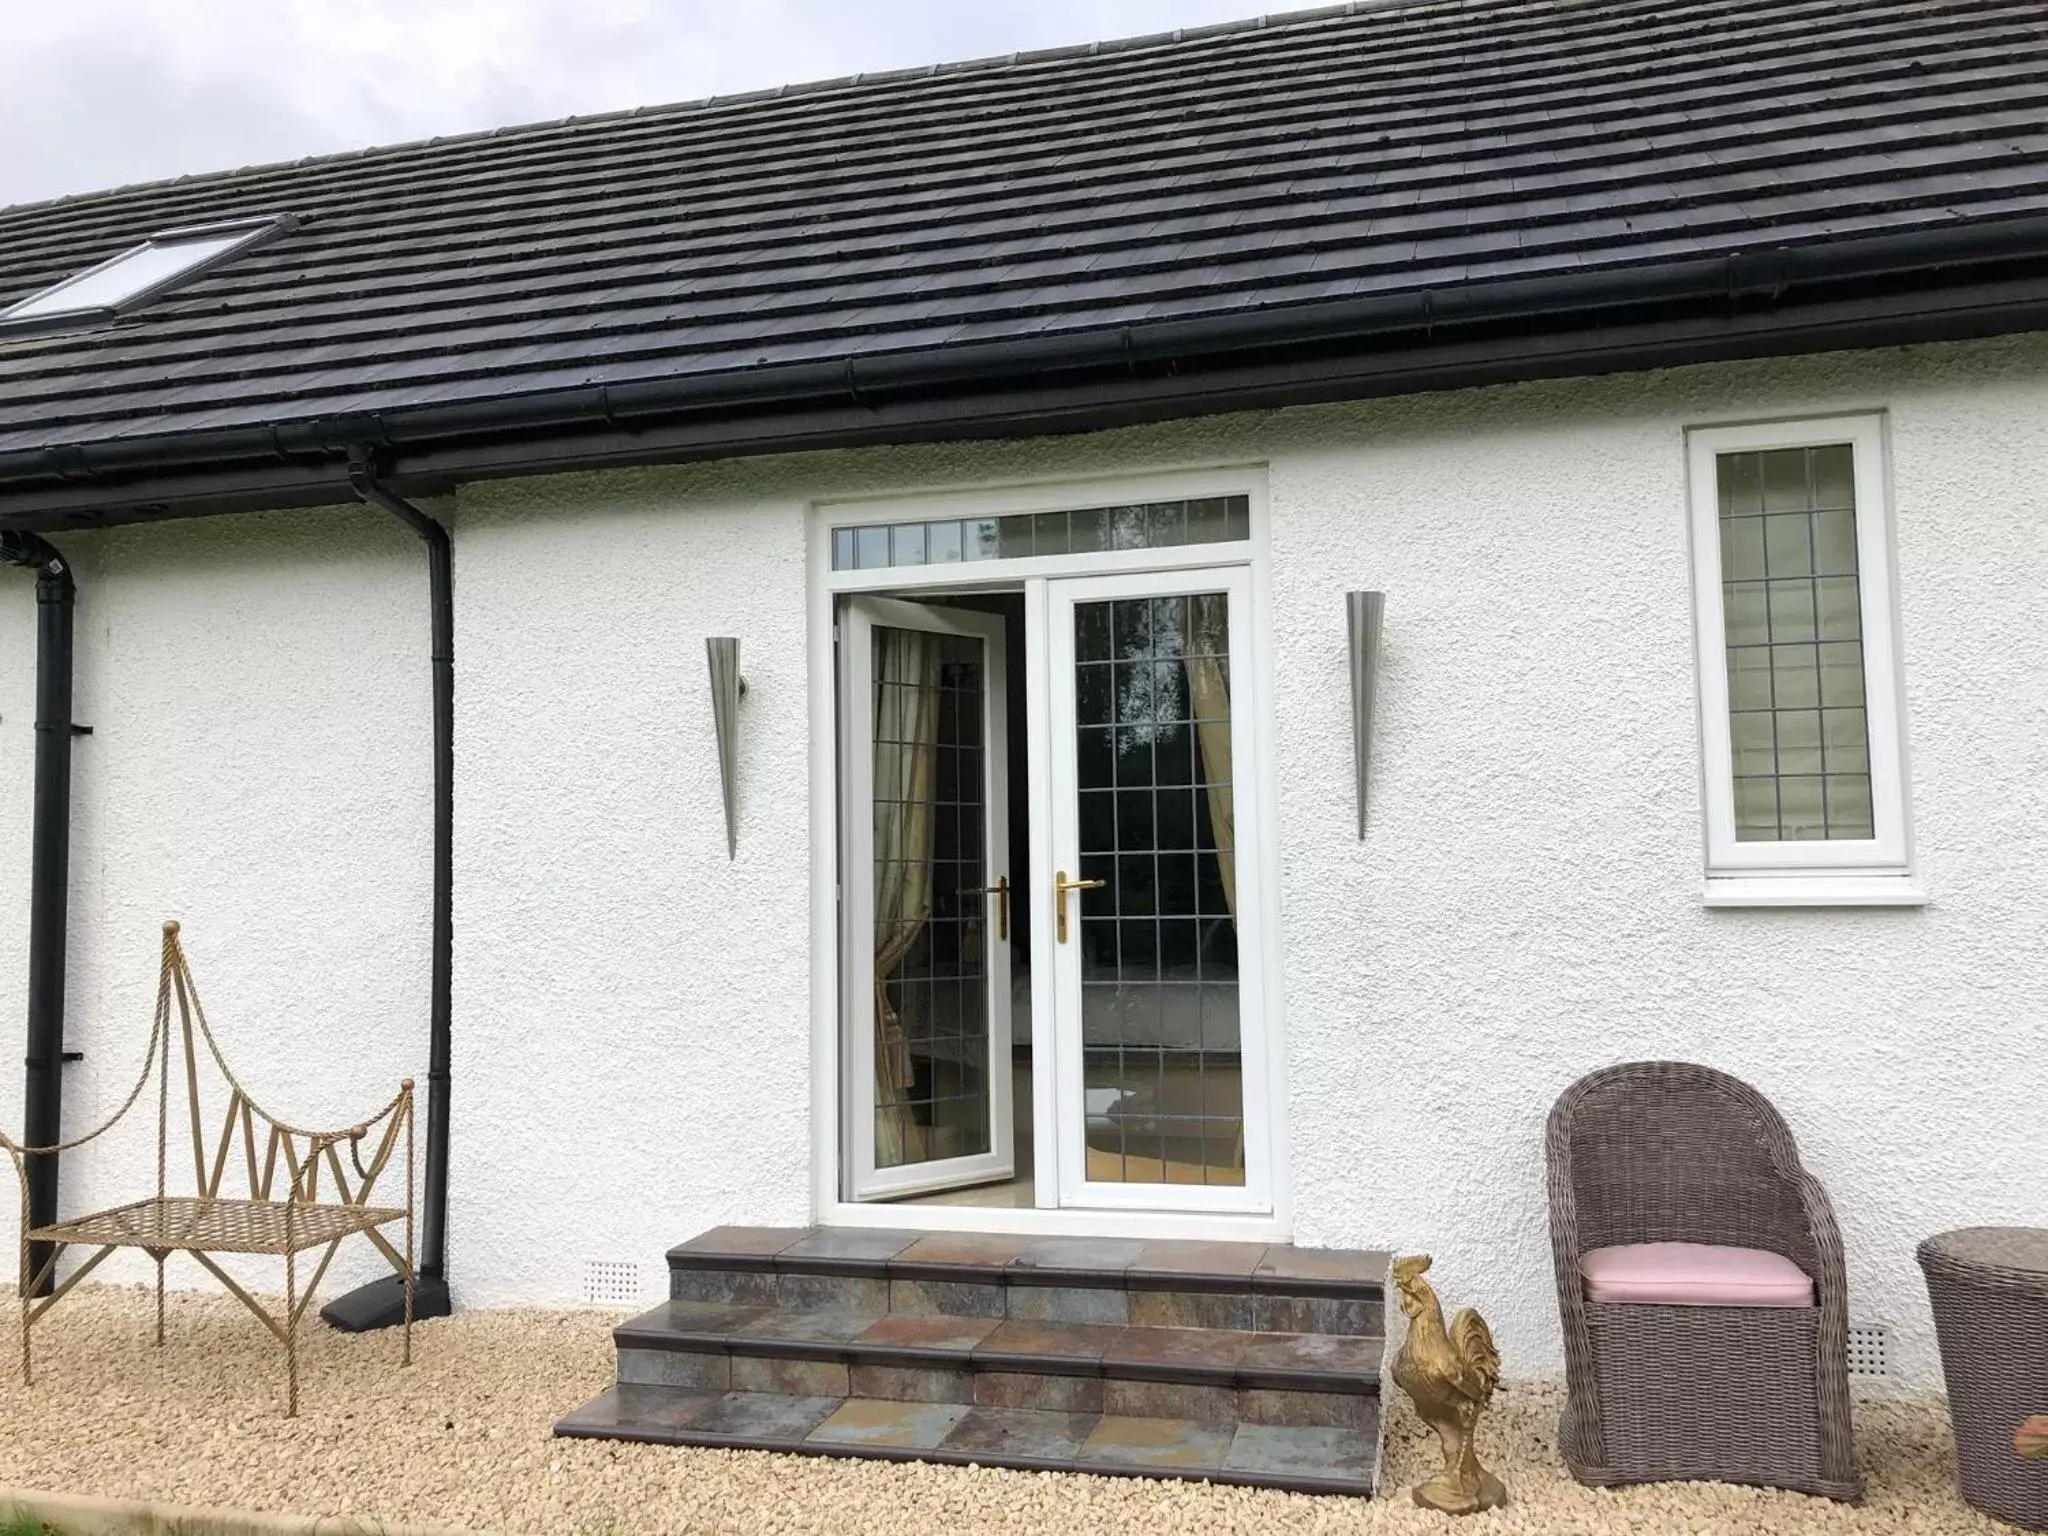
[380, 1304]
[50, 877]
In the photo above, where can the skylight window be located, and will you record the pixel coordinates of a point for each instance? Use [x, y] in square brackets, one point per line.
[139, 273]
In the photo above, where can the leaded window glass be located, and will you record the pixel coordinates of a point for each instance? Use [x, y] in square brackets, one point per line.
[1798, 726]
[1028, 535]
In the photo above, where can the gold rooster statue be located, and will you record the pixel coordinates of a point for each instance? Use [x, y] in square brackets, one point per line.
[1451, 1374]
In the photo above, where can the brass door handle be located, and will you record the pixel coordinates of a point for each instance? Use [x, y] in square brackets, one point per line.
[1001, 891]
[1060, 886]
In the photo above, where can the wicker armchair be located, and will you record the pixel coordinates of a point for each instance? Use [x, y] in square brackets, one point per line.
[1653, 1152]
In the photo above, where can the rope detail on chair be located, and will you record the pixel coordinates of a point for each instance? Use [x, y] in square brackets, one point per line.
[209, 1223]
[18, 1151]
[192, 1011]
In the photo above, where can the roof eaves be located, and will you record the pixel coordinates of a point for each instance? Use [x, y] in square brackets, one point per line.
[1939, 282]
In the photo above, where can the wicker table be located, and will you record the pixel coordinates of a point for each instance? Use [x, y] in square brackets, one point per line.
[1989, 1287]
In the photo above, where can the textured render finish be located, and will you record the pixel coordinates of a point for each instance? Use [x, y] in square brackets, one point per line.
[1526, 905]
[259, 769]
[633, 1003]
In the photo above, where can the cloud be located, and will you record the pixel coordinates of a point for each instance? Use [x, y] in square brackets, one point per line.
[111, 114]
[99, 93]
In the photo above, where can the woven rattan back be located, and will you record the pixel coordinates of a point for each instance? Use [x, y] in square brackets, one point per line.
[1675, 1152]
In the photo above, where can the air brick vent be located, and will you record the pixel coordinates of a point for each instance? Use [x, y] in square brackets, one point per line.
[1870, 1350]
[612, 1283]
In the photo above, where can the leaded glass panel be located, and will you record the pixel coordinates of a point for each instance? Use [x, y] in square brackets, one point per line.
[1792, 606]
[1161, 1039]
[1027, 535]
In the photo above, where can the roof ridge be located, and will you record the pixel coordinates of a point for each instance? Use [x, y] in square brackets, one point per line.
[991, 62]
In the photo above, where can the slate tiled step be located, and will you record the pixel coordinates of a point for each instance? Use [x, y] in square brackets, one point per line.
[1304, 1459]
[1236, 1362]
[1269, 1378]
[1243, 1287]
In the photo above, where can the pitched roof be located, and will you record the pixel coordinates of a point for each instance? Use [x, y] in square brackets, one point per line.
[1259, 175]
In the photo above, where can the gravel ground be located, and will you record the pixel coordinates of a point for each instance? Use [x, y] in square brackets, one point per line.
[462, 1440]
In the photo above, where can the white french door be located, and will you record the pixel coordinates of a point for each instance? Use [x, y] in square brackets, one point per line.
[1131, 911]
[927, 891]
[1149, 870]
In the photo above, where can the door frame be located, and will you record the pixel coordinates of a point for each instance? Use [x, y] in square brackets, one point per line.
[1060, 844]
[857, 1149]
[825, 586]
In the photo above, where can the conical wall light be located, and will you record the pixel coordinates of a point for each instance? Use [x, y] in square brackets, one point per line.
[1366, 612]
[727, 686]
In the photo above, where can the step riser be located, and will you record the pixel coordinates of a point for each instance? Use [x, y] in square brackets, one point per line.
[1257, 1311]
[1308, 1406]
[1342, 1466]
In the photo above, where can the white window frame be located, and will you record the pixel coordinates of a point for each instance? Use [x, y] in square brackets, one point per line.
[1064, 495]
[1875, 871]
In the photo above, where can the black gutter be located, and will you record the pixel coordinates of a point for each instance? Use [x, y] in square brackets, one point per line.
[50, 875]
[1908, 266]
[303, 465]
[381, 1304]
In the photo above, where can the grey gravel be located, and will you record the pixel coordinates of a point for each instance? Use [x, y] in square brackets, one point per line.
[461, 1439]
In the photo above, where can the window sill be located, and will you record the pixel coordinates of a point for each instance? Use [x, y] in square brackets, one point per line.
[1813, 891]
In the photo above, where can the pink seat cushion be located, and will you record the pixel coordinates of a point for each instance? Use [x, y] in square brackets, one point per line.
[1694, 1275]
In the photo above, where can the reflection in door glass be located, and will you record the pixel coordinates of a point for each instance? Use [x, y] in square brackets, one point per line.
[931, 954]
[1159, 983]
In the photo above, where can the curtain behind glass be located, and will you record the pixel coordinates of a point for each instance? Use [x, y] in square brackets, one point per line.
[1208, 648]
[1209, 691]
[906, 737]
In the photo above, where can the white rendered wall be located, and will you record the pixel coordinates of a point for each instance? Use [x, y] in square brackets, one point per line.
[259, 769]
[1525, 908]
[1526, 905]
[632, 1011]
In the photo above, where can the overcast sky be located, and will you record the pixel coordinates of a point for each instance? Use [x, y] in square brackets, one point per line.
[98, 93]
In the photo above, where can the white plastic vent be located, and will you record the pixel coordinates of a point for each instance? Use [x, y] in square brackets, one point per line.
[1870, 1350]
[611, 1283]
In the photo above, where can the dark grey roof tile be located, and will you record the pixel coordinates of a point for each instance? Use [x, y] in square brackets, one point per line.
[1361, 152]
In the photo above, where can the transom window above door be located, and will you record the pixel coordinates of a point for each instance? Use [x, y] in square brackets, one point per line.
[1035, 535]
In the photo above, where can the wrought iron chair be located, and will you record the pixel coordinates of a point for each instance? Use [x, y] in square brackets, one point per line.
[1667, 1152]
[283, 1214]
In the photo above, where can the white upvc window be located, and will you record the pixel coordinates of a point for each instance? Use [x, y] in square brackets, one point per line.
[1801, 724]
